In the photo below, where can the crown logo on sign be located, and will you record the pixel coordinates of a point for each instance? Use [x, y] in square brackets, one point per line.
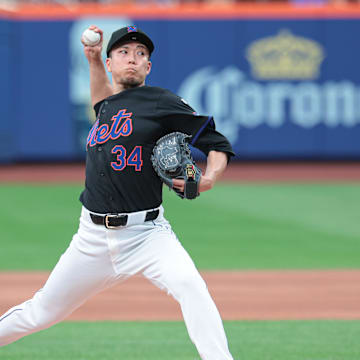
[285, 56]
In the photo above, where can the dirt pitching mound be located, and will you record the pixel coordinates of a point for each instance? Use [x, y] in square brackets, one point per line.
[239, 295]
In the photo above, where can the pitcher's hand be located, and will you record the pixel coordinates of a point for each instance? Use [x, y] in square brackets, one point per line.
[94, 52]
[206, 183]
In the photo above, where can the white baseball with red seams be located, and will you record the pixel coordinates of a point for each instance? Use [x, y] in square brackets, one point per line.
[90, 37]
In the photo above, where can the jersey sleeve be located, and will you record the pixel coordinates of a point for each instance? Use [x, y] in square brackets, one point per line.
[176, 115]
[210, 139]
[97, 107]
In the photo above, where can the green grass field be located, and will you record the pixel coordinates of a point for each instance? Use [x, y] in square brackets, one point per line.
[270, 340]
[232, 227]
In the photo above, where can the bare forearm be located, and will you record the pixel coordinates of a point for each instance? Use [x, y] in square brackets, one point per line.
[100, 86]
[216, 165]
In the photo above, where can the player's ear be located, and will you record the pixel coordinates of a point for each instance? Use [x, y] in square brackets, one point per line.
[108, 64]
[149, 67]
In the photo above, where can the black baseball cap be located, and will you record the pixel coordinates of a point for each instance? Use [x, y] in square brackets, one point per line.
[129, 33]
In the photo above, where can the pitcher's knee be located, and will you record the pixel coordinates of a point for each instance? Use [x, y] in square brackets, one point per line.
[44, 319]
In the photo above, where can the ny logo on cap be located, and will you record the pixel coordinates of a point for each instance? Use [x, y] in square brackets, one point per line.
[131, 29]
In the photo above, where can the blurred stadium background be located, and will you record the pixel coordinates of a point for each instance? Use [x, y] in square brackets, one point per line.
[281, 79]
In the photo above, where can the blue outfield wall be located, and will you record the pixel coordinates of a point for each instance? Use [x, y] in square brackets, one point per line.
[278, 89]
[7, 146]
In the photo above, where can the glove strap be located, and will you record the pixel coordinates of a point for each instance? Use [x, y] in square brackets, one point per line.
[191, 190]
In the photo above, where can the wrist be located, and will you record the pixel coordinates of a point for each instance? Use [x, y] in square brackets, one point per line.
[96, 59]
[211, 175]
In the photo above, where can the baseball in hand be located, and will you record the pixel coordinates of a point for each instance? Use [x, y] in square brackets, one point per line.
[90, 37]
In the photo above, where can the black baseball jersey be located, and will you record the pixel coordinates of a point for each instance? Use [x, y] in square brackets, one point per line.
[119, 173]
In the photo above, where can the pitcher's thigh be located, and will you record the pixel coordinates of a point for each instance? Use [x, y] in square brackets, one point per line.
[172, 268]
[75, 278]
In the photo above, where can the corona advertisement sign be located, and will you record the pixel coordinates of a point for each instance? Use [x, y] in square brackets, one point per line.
[279, 86]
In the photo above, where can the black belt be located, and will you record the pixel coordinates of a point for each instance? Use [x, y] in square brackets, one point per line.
[112, 221]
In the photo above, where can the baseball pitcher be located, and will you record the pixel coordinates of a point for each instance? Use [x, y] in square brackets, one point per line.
[138, 142]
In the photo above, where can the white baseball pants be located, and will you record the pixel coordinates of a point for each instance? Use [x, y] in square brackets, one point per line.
[97, 258]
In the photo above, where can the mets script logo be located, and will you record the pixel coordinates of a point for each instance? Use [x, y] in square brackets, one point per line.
[121, 126]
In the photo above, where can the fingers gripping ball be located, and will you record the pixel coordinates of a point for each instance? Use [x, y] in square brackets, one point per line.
[90, 37]
[172, 159]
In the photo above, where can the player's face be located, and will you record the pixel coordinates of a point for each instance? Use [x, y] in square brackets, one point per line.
[129, 64]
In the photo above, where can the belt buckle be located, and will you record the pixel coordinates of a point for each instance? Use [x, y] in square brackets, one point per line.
[107, 221]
